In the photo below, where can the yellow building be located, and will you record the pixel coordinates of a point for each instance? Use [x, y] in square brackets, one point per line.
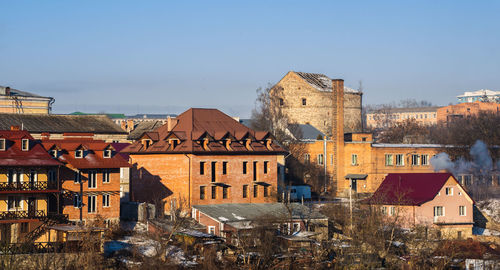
[17, 101]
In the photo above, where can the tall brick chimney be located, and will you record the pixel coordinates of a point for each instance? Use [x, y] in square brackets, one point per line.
[338, 131]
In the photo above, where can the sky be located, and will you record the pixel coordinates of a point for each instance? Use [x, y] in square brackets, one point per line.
[165, 57]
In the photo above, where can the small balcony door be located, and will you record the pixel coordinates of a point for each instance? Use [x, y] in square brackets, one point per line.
[31, 206]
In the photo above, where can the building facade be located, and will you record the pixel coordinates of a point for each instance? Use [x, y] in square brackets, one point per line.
[29, 188]
[465, 110]
[92, 179]
[483, 95]
[435, 200]
[204, 157]
[17, 101]
[384, 118]
[308, 98]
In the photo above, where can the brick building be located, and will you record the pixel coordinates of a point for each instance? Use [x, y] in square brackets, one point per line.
[204, 157]
[307, 98]
[29, 187]
[464, 110]
[93, 179]
[384, 118]
[17, 101]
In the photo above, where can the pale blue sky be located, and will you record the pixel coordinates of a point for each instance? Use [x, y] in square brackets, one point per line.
[164, 57]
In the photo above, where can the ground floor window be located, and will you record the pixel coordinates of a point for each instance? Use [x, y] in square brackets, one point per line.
[438, 211]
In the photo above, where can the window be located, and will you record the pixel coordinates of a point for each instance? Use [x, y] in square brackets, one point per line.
[2, 145]
[266, 165]
[384, 210]
[92, 204]
[105, 176]
[53, 153]
[224, 167]
[202, 192]
[284, 228]
[468, 180]
[400, 160]
[25, 144]
[24, 227]
[92, 179]
[105, 200]
[281, 102]
[389, 161]
[424, 159]
[14, 202]
[211, 230]
[304, 102]
[78, 177]
[449, 191]
[79, 153]
[245, 191]
[296, 227]
[307, 157]
[245, 166]
[33, 177]
[107, 153]
[320, 159]
[438, 211]
[331, 159]
[312, 227]
[414, 160]
[266, 191]
[202, 168]
[393, 210]
[51, 175]
[214, 165]
[214, 192]
[354, 159]
[77, 201]
[255, 170]
[461, 210]
[224, 192]
[255, 191]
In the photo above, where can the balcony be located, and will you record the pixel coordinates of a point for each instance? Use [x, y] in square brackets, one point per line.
[6, 187]
[15, 215]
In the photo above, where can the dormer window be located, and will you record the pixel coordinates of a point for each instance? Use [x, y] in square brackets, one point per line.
[107, 153]
[247, 144]
[228, 144]
[79, 153]
[205, 144]
[53, 153]
[2, 145]
[25, 144]
[268, 144]
[146, 143]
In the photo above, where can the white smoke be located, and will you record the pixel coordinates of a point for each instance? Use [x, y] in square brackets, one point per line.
[481, 162]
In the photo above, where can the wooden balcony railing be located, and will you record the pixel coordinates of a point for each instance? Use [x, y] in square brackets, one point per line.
[13, 215]
[28, 186]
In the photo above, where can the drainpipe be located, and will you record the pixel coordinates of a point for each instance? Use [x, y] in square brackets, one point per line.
[189, 182]
[324, 161]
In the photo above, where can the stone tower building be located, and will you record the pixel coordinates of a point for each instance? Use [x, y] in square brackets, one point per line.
[306, 98]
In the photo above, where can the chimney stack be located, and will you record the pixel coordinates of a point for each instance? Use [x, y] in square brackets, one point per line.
[171, 122]
[15, 128]
[130, 125]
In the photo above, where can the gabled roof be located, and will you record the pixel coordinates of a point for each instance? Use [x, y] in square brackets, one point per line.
[144, 126]
[409, 188]
[196, 124]
[15, 156]
[321, 82]
[92, 159]
[52, 123]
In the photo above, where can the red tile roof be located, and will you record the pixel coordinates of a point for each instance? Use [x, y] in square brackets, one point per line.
[409, 188]
[93, 159]
[15, 156]
[196, 125]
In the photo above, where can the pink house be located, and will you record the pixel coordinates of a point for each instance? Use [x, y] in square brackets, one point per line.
[435, 200]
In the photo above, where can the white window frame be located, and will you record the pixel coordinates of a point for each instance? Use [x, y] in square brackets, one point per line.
[53, 153]
[436, 214]
[331, 159]
[106, 200]
[401, 158]
[25, 144]
[107, 153]
[449, 191]
[424, 160]
[296, 229]
[391, 163]
[92, 204]
[78, 177]
[3, 144]
[354, 159]
[321, 159]
[211, 230]
[79, 153]
[384, 210]
[392, 211]
[106, 174]
[460, 212]
[21, 204]
[92, 181]
[415, 160]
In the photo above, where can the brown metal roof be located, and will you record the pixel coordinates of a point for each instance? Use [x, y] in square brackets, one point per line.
[196, 126]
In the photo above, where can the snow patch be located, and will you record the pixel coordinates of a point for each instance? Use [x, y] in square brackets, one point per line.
[237, 217]
[223, 219]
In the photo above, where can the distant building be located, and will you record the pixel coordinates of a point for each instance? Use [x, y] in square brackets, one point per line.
[309, 98]
[17, 101]
[430, 199]
[483, 95]
[465, 110]
[100, 126]
[204, 157]
[386, 117]
[94, 179]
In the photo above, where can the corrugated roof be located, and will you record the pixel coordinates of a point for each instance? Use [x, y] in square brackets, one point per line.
[321, 82]
[19, 93]
[53, 123]
[144, 126]
[409, 188]
[237, 212]
[13, 155]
